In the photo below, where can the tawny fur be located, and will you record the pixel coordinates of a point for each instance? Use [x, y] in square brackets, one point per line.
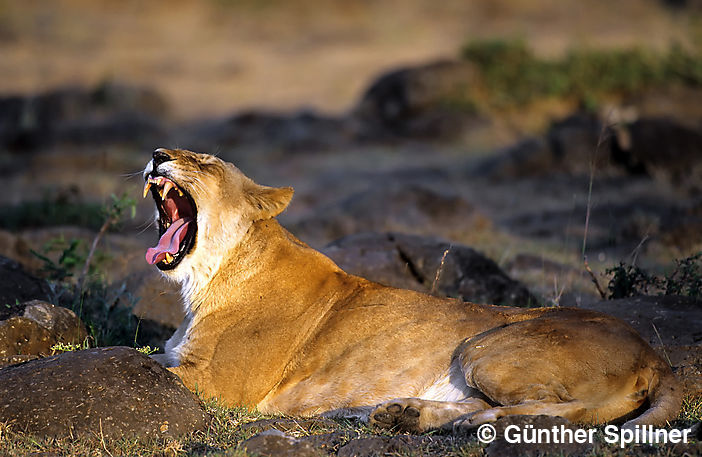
[274, 325]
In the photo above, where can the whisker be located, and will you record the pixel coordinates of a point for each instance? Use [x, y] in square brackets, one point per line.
[197, 183]
[147, 227]
[130, 175]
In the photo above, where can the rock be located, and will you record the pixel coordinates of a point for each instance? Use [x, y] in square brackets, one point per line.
[17, 358]
[274, 443]
[31, 328]
[302, 131]
[159, 300]
[501, 448]
[18, 285]
[107, 113]
[114, 391]
[397, 445]
[117, 128]
[424, 101]
[662, 148]
[330, 443]
[366, 447]
[323, 443]
[412, 262]
[528, 157]
[579, 142]
[398, 207]
[570, 146]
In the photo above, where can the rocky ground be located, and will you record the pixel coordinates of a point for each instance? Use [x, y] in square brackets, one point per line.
[414, 185]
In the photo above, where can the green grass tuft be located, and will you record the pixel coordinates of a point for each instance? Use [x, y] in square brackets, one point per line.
[51, 213]
[511, 75]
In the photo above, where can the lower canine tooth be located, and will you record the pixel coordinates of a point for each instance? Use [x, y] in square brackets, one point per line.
[169, 258]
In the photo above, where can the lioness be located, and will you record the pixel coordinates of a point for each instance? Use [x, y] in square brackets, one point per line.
[275, 325]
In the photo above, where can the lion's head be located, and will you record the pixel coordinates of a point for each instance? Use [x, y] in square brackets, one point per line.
[204, 206]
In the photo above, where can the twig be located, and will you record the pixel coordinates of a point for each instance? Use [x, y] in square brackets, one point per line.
[439, 270]
[637, 249]
[661, 341]
[594, 278]
[102, 440]
[81, 279]
[600, 140]
[557, 294]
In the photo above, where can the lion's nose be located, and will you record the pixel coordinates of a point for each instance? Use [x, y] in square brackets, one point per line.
[161, 155]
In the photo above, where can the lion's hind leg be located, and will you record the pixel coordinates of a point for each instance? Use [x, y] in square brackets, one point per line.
[571, 410]
[591, 369]
[419, 415]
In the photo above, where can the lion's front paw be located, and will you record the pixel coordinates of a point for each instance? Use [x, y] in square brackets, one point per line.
[400, 414]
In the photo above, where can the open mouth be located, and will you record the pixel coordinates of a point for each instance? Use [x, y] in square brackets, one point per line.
[176, 222]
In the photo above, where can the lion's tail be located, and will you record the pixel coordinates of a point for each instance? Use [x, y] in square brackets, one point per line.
[665, 396]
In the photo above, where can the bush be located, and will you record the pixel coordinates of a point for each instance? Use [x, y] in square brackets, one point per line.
[512, 75]
[71, 268]
[630, 280]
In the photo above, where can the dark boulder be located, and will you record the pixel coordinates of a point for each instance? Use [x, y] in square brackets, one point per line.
[403, 207]
[301, 131]
[662, 148]
[572, 146]
[398, 445]
[109, 112]
[16, 285]
[274, 443]
[114, 392]
[428, 265]
[424, 101]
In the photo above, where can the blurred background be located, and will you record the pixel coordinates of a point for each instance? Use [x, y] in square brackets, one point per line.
[503, 151]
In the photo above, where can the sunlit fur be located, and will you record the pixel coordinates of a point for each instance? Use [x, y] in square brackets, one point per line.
[275, 325]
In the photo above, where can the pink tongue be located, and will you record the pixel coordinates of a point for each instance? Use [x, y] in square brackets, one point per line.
[169, 242]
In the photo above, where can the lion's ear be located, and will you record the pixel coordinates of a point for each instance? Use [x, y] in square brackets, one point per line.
[268, 202]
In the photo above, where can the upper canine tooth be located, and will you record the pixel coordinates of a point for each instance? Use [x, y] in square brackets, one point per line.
[147, 184]
[166, 188]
